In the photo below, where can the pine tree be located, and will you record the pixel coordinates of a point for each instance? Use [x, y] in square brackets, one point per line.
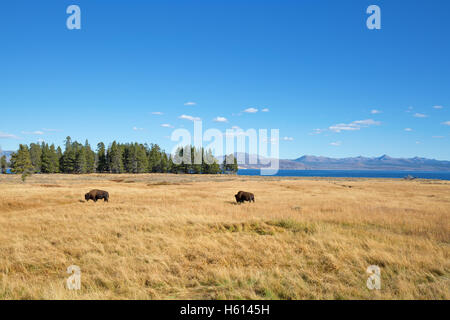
[210, 164]
[141, 159]
[229, 164]
[90, 158]
[59, 156]
[235, 167]
[187, 159]
[154, 158]
[224, 164]
[196, 155]
[46, 161]
[102, 165]
[128, 159]
[69, 157]
[206, 166]
[214, 168]
[54, 159]
[3, 164]
[21, 161]
[35, 156]
[172, 166]
[114, 157]
[164, 163]
[80, 159]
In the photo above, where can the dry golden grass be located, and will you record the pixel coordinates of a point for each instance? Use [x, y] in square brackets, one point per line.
[183, 237]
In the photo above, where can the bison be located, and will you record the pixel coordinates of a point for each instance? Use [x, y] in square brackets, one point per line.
[96, 195]
[242, 196]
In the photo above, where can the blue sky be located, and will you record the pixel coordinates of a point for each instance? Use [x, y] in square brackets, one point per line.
[331, 86]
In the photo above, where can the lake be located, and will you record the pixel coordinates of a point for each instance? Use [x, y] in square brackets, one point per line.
[348, 173]
[352, 174]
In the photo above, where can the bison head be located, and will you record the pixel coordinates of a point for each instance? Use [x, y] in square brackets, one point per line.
[87, 196]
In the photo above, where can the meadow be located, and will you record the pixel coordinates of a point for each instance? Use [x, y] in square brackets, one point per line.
[165, 236]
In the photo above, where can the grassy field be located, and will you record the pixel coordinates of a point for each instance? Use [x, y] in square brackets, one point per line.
[184, 237]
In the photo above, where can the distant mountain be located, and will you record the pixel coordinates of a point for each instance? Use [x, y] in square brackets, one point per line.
[384, 162]
[7, 154]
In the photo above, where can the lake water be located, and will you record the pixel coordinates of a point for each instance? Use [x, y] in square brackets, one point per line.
[349, 174]
[352, 174]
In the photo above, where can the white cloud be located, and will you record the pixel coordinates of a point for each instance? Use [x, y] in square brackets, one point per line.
[408, 129]
[353, 126]
[344, 127]
[409, 109]
[251, 110]
[4, 135]
[438, 107]
[38, 133]
[418, 142]
[447, 123]
[235, 127]
[336, 144]
[137, 129]
[190, 118]
[190, 103]
[157, 113]
[288, 139]
[265, 110]
[220, 119]
[368, 122]
[437, 137]
[375, 111]
[166, 125]
[420, 115]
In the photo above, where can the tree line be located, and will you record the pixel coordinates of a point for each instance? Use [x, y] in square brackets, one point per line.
[78, 158]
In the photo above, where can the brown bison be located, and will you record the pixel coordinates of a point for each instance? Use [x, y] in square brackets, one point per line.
[96, 195]
[242, 196]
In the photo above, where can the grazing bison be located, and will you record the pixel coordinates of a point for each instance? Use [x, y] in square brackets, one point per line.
[96, 195]
[242, 196]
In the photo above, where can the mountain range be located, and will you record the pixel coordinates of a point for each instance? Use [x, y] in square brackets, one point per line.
[384, 162]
